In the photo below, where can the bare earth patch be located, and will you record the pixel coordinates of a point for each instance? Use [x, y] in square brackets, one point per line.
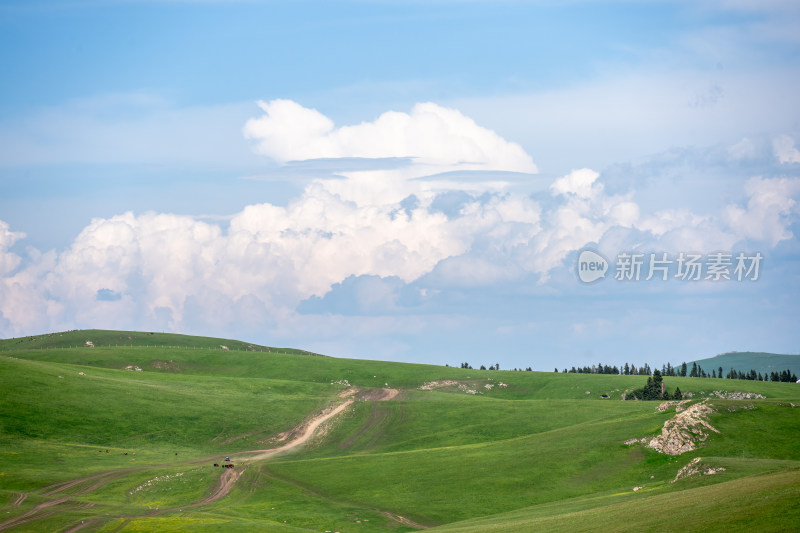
[433, 385]
[695, 468]
[683, 432]
[738, 395]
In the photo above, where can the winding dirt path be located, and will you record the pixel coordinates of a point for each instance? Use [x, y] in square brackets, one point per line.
[226, 481]
[307, 433]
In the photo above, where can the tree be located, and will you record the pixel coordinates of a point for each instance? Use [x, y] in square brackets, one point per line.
[693, 373]
[678, 394]
[626, 370]
[719, 371]
[683, 370]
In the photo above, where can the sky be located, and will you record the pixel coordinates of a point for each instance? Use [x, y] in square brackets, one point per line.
[525, 183]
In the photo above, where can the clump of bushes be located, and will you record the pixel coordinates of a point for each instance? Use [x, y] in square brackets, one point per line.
[654, 390]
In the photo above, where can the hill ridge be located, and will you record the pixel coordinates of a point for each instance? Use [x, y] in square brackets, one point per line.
[96, 338]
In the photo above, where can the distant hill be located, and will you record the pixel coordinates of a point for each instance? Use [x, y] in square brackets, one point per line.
[82, 338]
[744, 361]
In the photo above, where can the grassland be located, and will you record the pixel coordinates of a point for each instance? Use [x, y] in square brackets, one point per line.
[120, 449]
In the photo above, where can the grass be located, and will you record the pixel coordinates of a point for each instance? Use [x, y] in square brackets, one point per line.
[755, 503]
[542, 452]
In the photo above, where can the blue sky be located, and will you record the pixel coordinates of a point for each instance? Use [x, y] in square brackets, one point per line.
[401, 180]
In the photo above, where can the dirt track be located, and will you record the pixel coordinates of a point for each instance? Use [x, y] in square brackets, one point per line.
[226, 482]
[46, 509]
[307, 433]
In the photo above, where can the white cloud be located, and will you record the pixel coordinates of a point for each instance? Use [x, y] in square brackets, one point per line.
[179, 272]
[785, 150]
[581, 183]
[8, 260]
[434, 136]
[771, 205]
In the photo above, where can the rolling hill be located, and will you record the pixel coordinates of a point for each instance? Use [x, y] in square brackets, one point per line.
[761, 362]
[124, 437]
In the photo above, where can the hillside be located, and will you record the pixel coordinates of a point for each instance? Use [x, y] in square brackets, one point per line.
[761, 362]
[89, 442]
[95, 337]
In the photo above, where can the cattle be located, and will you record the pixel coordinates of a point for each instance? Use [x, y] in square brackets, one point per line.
[215, 464]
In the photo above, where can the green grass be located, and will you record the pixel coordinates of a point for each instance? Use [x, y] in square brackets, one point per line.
[544, 452]
[99, 337]
[755, 503]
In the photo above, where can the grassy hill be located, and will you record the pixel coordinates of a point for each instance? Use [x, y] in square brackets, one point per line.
[132, 450]
[96, 337]
[765, 363]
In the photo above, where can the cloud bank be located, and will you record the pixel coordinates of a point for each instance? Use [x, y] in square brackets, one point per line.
[373, 231]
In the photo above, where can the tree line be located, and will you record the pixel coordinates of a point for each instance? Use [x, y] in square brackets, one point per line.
[683, 370]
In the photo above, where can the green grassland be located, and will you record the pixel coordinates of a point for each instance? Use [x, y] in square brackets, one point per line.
[134, 450]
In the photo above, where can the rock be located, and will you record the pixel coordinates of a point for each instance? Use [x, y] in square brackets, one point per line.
[694, 468]
[682, 432]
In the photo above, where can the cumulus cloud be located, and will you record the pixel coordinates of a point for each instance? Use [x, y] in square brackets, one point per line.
[771, 206]
[348, 246]
[433, 135]
[173, 271]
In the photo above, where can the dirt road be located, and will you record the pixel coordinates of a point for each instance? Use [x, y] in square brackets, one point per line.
[227, 479]
[305, 435]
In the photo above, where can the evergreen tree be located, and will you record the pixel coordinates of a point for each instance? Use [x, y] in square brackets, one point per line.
[678, 395]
